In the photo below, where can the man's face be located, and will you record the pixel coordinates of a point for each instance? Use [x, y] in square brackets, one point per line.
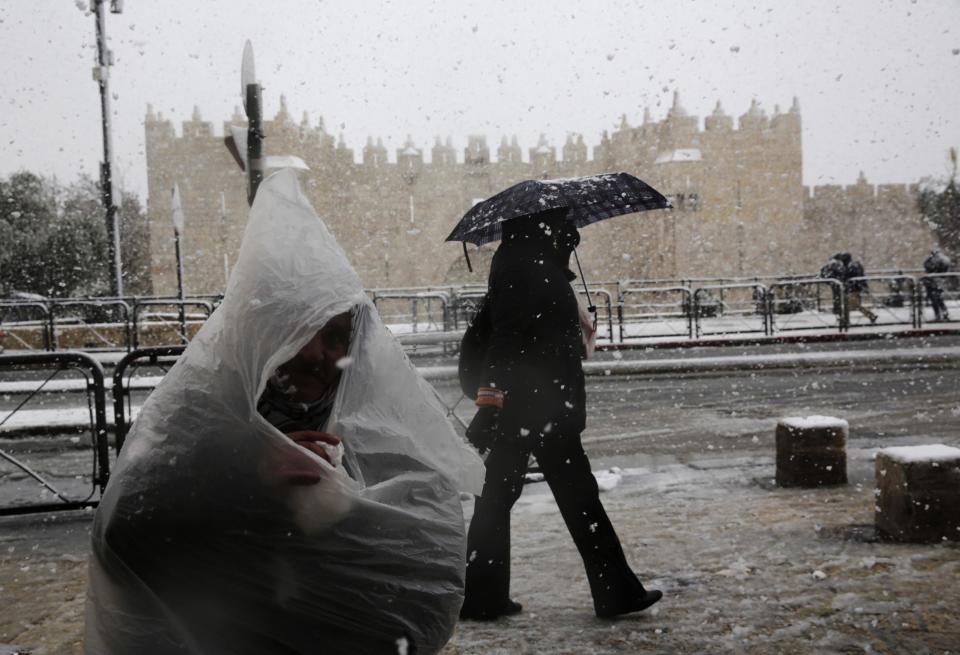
[314, 369]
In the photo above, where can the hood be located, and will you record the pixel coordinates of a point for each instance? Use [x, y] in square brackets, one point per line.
[194, 542]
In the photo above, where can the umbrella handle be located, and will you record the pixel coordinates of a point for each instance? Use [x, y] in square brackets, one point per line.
[590, 306]
[467, 255]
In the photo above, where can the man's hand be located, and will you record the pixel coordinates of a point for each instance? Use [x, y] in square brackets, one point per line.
[483, 428]
[287, 465]
[311, 440]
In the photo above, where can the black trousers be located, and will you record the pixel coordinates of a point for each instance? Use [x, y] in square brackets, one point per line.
[935, 294]
[567, 470]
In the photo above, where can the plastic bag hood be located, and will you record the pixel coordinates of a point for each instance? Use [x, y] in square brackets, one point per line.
[196, 550]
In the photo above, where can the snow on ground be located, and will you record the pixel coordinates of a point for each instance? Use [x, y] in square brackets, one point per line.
[745, 568]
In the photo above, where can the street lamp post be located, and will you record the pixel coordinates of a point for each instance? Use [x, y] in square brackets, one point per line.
[253, 105]
[176, 215]
[101, 74]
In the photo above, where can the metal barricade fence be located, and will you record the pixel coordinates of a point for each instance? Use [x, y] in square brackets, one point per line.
[159, 359]
[26, 332]
[654, 312]
[733, 311]
[604, 313]
[464, 306]
[806, 304]
[98, 325]
[51, 460]
[888, 299]
[161, 324]
[411, 312]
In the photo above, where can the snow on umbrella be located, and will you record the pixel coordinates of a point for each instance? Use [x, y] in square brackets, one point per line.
[590, 199]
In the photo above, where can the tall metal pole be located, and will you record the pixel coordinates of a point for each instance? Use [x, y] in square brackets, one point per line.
[223, 235]
[176, 215]
[253, 105]
[102, 76]
[254, 140]
[181, 315]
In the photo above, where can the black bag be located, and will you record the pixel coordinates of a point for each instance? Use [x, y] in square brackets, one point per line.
[473, 350]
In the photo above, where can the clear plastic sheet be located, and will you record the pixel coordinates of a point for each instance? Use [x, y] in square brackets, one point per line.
[198, 547]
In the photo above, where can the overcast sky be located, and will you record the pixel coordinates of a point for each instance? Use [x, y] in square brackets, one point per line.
[877, 81]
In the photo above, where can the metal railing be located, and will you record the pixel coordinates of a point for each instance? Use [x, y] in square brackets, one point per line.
[93, 321]
[806, 304]
[882, 300]
[427, 307]
[604, 309]
[20, 329]
[733, 309]
[161, 358]
[628, 311]
[163, 322]
[32, 457]
[650, 308]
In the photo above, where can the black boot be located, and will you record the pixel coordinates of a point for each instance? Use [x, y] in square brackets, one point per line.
[637, 603]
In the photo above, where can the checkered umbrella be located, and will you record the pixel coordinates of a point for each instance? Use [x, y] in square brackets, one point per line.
[590, 199]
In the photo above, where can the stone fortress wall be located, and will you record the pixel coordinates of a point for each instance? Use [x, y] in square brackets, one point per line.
[740, 204]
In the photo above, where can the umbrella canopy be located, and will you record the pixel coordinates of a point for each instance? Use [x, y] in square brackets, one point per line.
[590, 199]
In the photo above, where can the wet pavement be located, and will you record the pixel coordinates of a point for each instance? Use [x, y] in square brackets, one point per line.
[746, 567]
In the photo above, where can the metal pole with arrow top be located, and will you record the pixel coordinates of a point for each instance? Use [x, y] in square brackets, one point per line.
[253, 106]
[176, 214]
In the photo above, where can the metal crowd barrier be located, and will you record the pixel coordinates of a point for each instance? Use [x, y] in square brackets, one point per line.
[161, 358]
[732, 312]
[799, 305]
[650, 309]
[59, 320]
[892, 299]
[464, 306]
[41, 323]
[646, 305]
[21, 451]
[429, 299]
[606, 305]
[162, 320]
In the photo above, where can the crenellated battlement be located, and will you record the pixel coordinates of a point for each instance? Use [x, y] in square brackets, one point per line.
[676, 125]
[860, 191]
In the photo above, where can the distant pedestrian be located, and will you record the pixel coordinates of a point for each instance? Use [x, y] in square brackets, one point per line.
[936, 262]
[855, 286]
[835, 270]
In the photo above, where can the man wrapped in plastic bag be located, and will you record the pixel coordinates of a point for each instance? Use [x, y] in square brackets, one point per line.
[220, 533]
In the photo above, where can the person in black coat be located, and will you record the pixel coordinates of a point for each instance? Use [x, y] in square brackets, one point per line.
[532, 401]
[936, 262]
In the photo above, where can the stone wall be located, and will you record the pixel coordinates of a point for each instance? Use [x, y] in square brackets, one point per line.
[740, 204]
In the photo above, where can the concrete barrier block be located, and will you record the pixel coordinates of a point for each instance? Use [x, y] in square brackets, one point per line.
[918, 493]
[811, 451]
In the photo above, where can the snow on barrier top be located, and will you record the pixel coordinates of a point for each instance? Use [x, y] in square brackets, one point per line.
[931, 453]
[814, 423]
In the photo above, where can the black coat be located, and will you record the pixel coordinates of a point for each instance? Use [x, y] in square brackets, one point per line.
[534, 350]
[854, 270]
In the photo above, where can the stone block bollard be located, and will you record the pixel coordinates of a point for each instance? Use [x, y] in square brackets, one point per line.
[918, 493]
[811, 451]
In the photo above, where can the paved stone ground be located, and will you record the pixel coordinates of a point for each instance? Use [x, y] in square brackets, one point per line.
[737, 559]
[746, 568]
